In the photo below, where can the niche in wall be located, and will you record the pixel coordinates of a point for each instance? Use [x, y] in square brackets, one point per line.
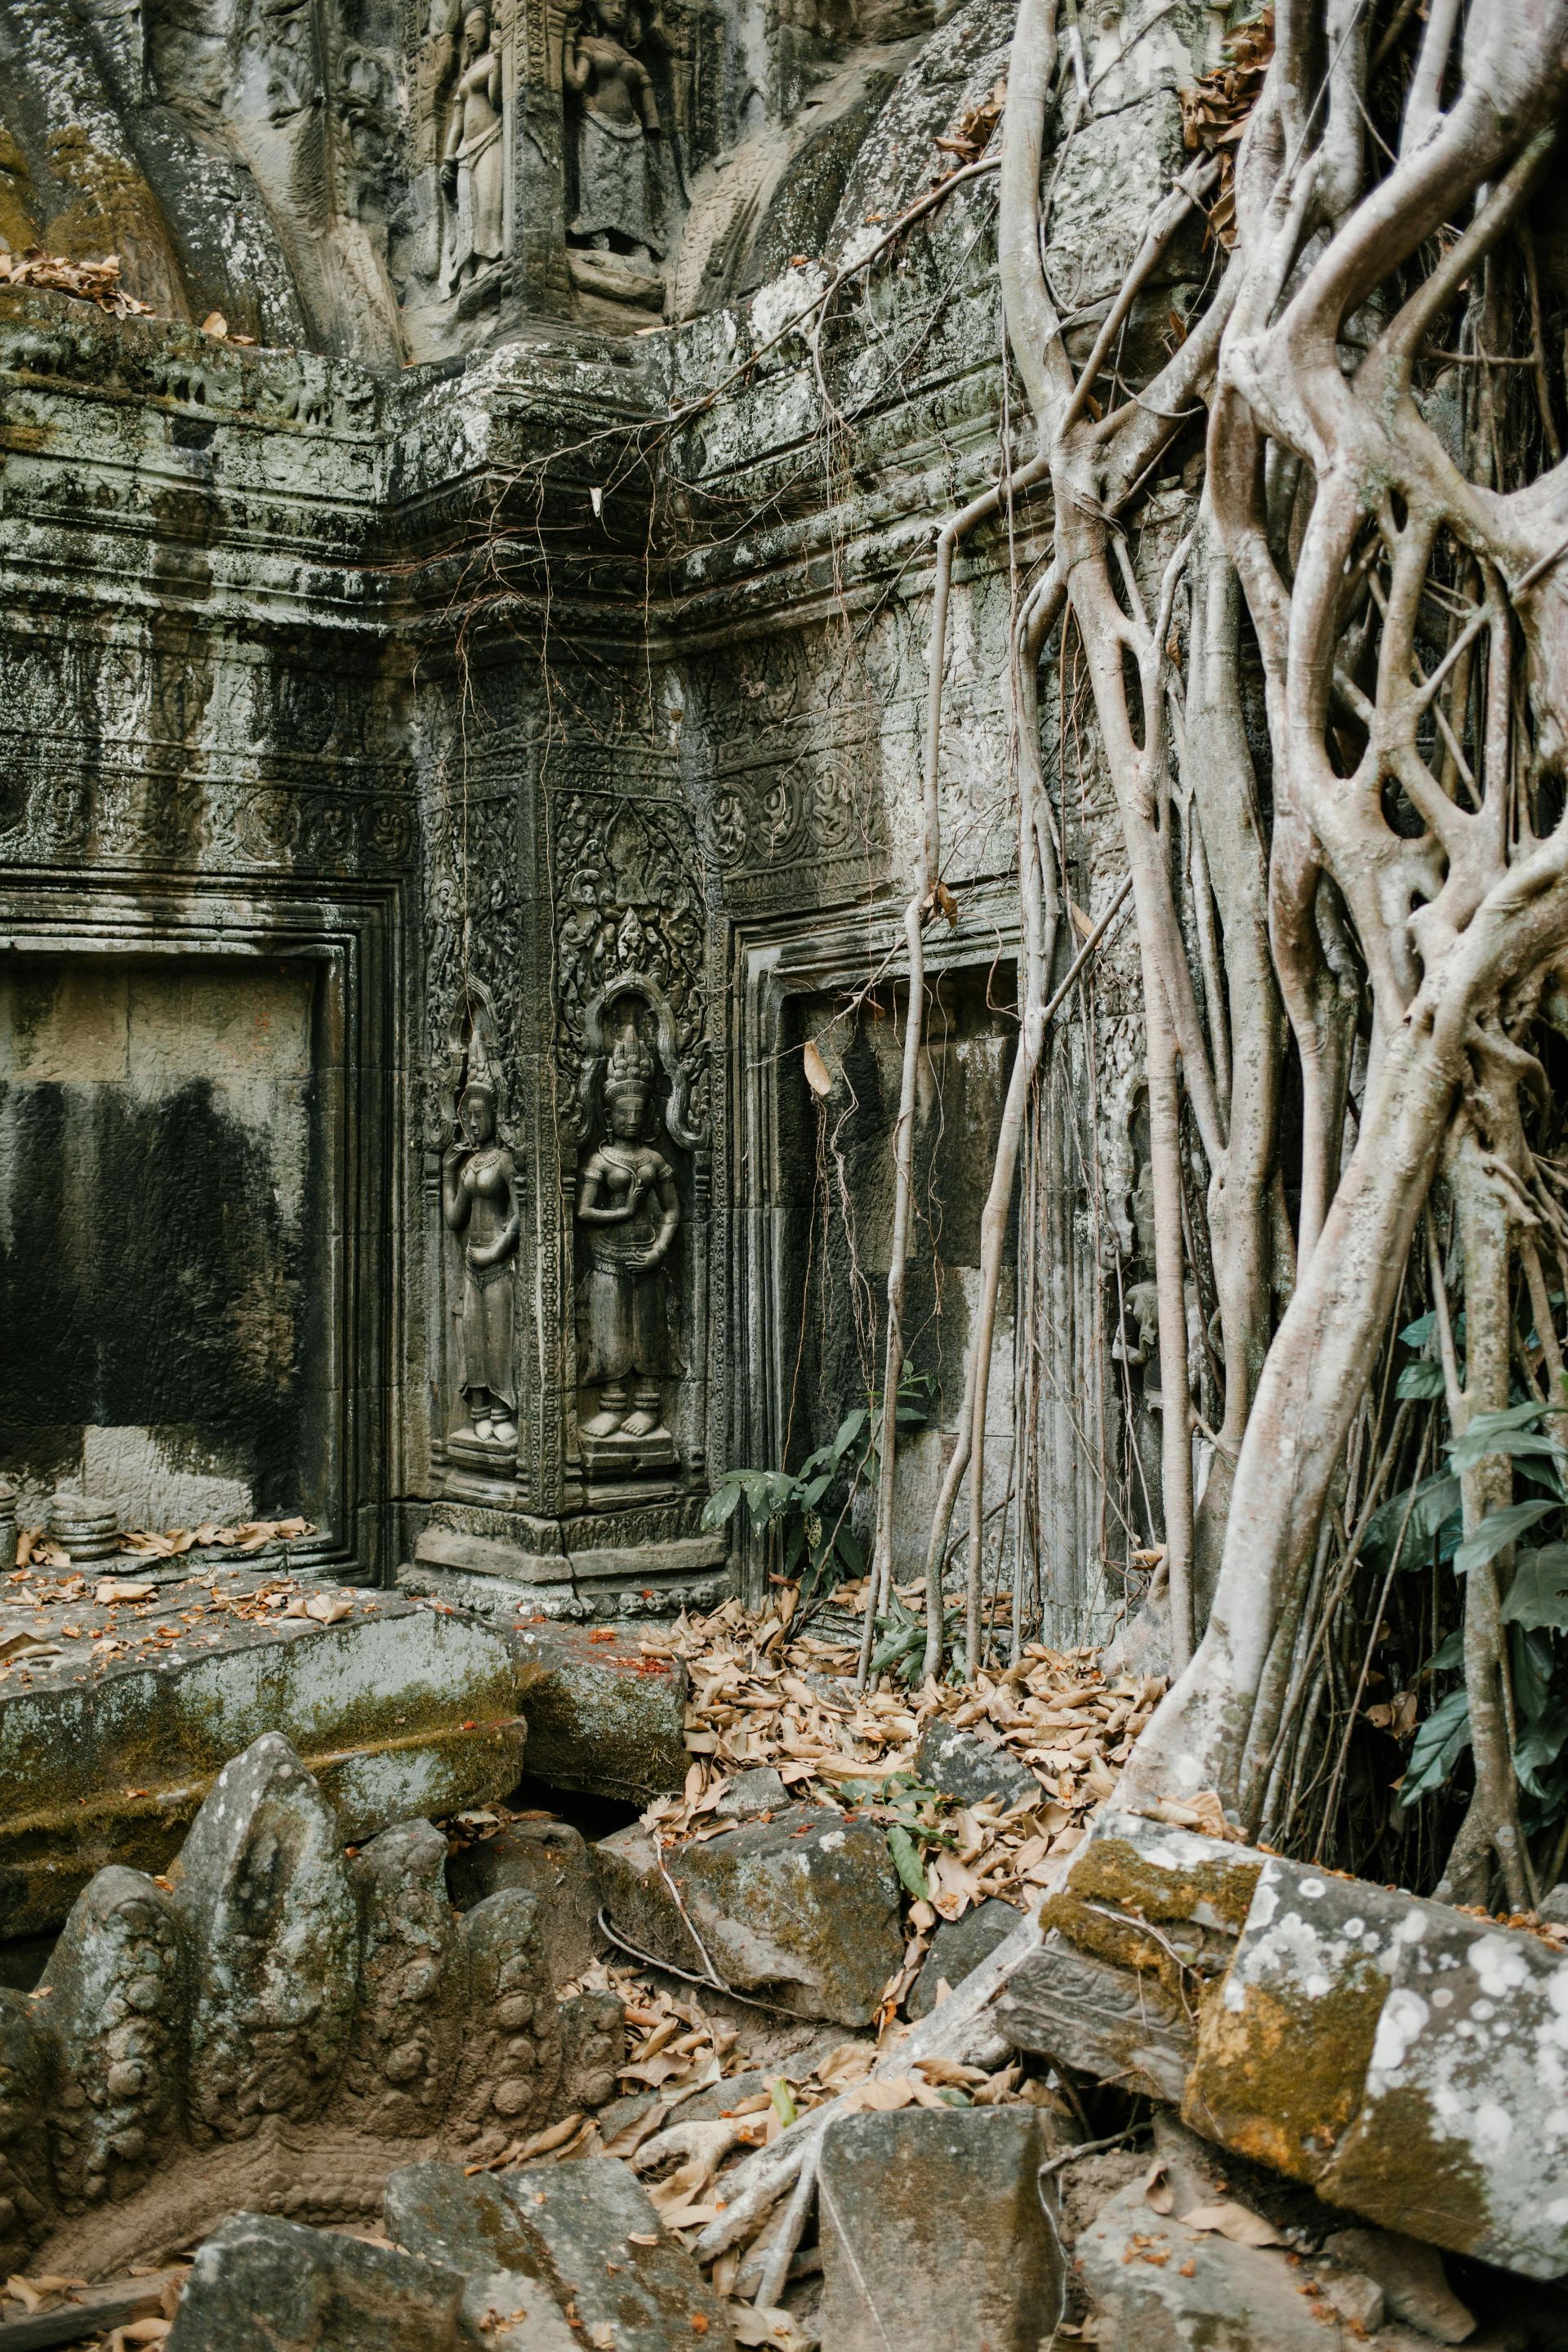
[169, 1192]
[835, 1194]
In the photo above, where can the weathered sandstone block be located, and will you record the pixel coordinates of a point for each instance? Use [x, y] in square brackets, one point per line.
[116, 1718]
[803, 1908]
[933, 2234]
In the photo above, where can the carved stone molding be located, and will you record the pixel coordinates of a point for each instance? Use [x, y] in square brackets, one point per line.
[280, 2031]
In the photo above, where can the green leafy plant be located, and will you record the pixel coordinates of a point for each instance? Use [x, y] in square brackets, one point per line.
[1534, 1599]
[912, 1816]
[805, 1514]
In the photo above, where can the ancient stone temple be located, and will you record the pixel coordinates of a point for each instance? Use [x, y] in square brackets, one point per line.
[462, 687]
[644, 1197]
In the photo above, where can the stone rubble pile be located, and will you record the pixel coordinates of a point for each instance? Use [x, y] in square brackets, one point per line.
[490, 2083]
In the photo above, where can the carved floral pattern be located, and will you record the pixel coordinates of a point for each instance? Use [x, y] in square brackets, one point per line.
[630, 900]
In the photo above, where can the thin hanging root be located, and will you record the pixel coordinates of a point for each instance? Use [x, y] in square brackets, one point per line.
[920, 906]
[1039, 902]
[1490, 1831]
[972, 1422]
[960, 2029]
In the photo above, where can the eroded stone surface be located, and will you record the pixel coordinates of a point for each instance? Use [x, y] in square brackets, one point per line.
[603, 1715]
[116, 1722]
[804, 1908]
[260, 2284]
[544, 1856]
[933, 2234]
[969, 1770]
[510, 2067]
[265, 1903]
[957, 1946]
[408, 2025]
[468, 2223]
[113, 2000]
[1158, 2287]
[607, 2252]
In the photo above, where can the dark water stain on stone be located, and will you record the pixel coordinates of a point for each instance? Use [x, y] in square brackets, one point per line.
[164, 1265]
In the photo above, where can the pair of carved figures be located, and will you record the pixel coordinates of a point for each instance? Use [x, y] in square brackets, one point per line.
[630, 1211]
[618, 114]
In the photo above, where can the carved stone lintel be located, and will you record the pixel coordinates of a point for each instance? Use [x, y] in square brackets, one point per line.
[1072, 2006]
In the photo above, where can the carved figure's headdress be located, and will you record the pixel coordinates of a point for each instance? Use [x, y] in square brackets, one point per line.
[631, 1067]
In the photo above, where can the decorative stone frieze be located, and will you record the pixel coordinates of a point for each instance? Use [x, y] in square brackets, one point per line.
[278, 2025]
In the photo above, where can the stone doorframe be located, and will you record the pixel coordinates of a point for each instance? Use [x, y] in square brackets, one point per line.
[775, 959]
[353, 936]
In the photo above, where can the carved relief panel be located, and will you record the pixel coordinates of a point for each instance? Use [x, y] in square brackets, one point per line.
[480, 1207]
[631, 1053]
[628, 1212]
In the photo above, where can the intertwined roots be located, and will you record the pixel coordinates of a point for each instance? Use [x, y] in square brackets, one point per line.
[1376, 928]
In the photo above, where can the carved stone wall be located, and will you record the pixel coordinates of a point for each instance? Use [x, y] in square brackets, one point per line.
[565, 705]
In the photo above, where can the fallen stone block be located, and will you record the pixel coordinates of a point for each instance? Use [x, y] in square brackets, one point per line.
[615, 2269]
[1407, 2061]
[1400, 2058]
[969, 1770]
[469, 2225]
[958, 1947]
[545, 1857]
[803, 1909]
[260, 2284]
[934, 2235]
[603, 1715]
[117, 1716]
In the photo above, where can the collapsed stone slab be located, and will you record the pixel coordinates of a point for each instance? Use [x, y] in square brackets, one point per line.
[803, 1909]
[1180, 2259]
[117, 1716]
[276, 2025]
[934, 2233]
[1398, 2057]
[260, 2284]
[603, 1715]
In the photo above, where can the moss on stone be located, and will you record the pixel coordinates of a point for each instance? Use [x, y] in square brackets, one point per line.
[1112, 1870]
[1397, 2167]
[1280, 2078]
